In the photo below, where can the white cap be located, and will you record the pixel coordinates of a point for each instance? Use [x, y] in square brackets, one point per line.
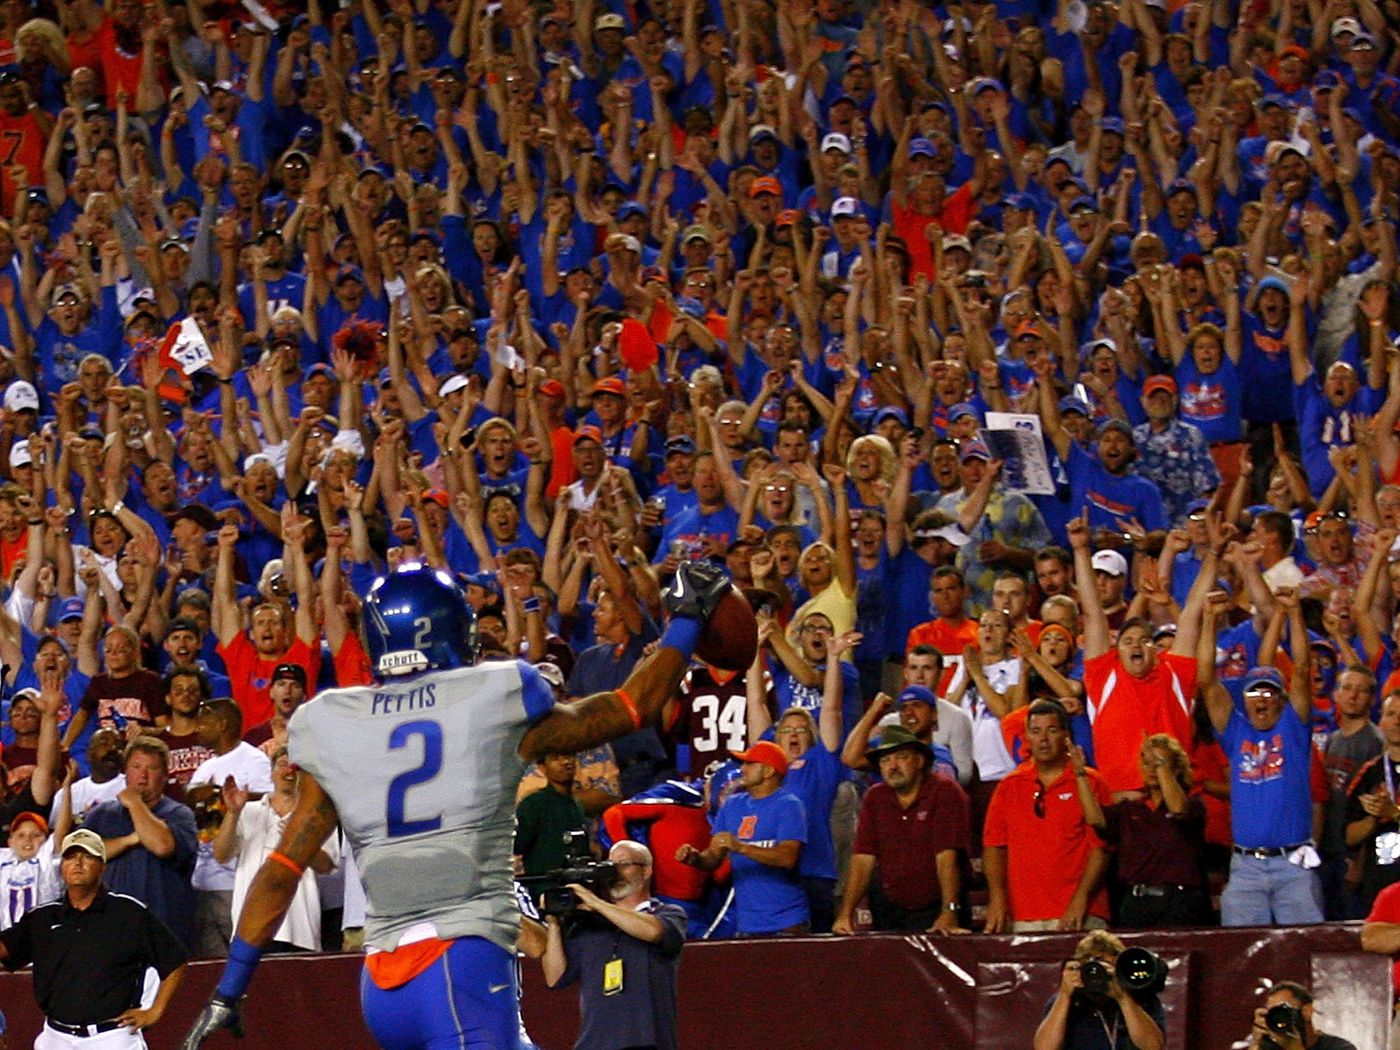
[255, 458]
[836, 140]
[956, 240]
[452, 384]
[951, 532]
[845, 206]
[19, 454]
[1345, 25]
[20, 395]
[759, 130]
[1110, 562]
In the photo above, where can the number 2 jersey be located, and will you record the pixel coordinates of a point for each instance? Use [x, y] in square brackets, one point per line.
[423, 773]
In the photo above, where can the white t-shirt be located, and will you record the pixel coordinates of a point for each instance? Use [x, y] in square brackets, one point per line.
[259, 831]
[26, 884]
[251, 770]
[86, 794]
[988, 746]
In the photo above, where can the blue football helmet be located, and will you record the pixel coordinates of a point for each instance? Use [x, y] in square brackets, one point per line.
[417, 619]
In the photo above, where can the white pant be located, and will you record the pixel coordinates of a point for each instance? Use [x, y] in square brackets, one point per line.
[117, 1039]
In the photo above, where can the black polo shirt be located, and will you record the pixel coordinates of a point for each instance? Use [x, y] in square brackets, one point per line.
[89, 965]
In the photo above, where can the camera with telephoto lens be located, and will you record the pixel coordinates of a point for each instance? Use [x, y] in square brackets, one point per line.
[1283, 1018]
[1137, 970]
[579, 869]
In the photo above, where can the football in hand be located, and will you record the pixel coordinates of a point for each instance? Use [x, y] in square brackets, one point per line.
[730, 638]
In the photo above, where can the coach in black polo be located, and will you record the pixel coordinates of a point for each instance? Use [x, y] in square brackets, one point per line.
[90, 950]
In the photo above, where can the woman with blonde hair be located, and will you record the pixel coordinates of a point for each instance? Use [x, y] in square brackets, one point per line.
[870, 466]
[1160, 835]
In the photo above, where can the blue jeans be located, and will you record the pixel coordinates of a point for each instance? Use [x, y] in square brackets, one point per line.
[1264, 891]
[466, 999]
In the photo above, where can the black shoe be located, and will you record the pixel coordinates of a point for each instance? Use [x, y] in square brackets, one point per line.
[696, 590]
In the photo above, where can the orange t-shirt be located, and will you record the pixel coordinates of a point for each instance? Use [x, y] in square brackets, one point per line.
[1051, 851]
[351, 663]
[250, 675]
[1124, 711]
[948, 639]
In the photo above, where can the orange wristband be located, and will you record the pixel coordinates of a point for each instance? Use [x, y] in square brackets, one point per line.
[286, 862]
[631, 706]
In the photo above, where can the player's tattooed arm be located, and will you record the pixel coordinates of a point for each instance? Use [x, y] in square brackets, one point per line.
[594, 720]
[275, 884]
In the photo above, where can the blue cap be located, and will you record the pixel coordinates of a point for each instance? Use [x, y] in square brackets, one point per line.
[1273, 99]
[486, 580]
[1273, 282]
[1070, 403]
[1114, 124]
[386, 378]
[961, 409]
[1197, 505]
[680, 445]
[630, 208]
[1082, 203]
[1326, 80]
[1179, 185]
[987, 84]
[922, 148]
[347, 273]
[1263, 676]
[71, 609]
[974, 450]
[890, 412]
[1019, 201]
[320, 368]
[917, 693]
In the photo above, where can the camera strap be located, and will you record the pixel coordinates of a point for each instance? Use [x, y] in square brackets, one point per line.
[1110, 1033]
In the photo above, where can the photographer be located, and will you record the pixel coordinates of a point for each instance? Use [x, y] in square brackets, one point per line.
[1285, 1022]
[1093, 1011]
[625, 952]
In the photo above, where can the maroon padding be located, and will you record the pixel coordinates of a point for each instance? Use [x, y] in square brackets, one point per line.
[979, 993]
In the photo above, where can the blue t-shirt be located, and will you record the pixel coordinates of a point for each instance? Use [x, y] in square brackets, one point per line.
[691, 527]
[766, 899]
[1270, 797]
[814, 778]
[1266, 371]
[1214, 403]
[1110, 497]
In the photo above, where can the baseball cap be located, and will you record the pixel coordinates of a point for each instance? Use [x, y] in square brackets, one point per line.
[609, 21]
[1027, 330]
[1273, 99]
[1122, 426]
[1085, 203]
[765, 184]
[697, 232]
[19, 455]
[1263, 676]
[71, 609]
[552, 388]
[1345, 25]
[87, 841]
[762, 131]
[1019, 201]
[890, 412]
[1070, 403]
[1276, 283]
[951, 532]
[21, 395]
[609, 385]
[588, 432]
[293, 671]
[956, 240]
[917, 693]
[629, 208]
[1363, 42]
[452, 384]
[974, 450]
[180, 623]
[922, 148]
[1110, 562]
[836, 140]
[961, 409]
[31, 818]
[680, 445]
[766, 752]
[197, 513]
[847, 206]
[1159, 382]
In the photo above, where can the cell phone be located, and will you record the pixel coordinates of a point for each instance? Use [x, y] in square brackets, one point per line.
[468, 439]
[916, 432]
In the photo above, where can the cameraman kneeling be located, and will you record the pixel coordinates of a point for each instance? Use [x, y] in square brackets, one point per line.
[1285, 1022]
[1092, 1010]
[626, 952]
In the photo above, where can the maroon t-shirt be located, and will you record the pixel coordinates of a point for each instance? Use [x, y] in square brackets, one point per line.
[906, 842]
[186, 755]
[138, 697]
[710, 720]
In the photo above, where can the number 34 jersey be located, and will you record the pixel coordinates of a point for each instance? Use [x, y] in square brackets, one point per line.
[709, 718]
[423, 773]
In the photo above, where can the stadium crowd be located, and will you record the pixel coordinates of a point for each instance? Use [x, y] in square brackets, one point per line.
[557, 296]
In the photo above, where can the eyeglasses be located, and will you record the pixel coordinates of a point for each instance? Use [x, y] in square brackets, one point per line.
[1040, 801]
[815, 628]
[776, 488]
